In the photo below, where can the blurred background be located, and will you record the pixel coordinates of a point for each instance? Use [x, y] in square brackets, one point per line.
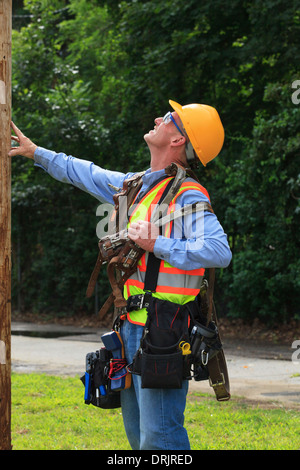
[89, 77]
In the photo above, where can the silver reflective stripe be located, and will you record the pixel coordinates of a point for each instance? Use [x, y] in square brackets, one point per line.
[175, 280]
[183, 211]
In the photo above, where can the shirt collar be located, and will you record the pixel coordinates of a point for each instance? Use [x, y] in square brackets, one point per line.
[151, 176]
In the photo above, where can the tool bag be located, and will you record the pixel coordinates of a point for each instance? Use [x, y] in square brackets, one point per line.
[159, 359]
[96, 383]
[106, 373]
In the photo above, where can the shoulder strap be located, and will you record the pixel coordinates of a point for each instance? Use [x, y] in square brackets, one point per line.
[131, 187]
[217, 366]
[153, 262]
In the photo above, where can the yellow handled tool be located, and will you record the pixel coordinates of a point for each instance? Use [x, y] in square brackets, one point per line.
[185, 348]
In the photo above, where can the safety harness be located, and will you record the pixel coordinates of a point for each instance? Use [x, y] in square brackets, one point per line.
[119, 252]
[122, 255]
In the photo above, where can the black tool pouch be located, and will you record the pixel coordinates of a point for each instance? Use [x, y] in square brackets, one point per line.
[205, 344]
[162, 370]
[96, 383]
[160, 360]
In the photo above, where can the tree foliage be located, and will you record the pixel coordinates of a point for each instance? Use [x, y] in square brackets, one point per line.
[89, 77]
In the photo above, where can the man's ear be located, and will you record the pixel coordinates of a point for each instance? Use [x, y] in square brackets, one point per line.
[178, 140]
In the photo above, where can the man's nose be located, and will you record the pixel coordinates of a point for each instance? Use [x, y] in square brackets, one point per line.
[158, 121]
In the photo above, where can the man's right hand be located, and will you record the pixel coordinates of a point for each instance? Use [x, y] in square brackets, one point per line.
[26, 146]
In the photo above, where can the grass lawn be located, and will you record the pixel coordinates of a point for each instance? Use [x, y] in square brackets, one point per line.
[48, 413]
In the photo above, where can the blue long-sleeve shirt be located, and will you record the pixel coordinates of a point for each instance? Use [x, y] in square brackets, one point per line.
[193, 250]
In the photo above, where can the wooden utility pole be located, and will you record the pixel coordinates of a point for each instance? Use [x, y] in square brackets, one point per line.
[5, 224]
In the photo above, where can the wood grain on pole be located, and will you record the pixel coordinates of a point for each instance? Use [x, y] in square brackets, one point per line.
[5, 225]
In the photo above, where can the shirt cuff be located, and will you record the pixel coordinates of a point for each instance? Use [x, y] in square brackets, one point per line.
[160, 247]
[42, 157]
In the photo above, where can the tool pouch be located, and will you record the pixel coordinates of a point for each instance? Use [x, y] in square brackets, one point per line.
[205, 344]
[106, 373]
[160, 360]
[95, 380]
[162, 370]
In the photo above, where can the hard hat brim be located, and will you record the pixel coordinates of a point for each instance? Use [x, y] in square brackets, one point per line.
[178, 109]
[176, 106]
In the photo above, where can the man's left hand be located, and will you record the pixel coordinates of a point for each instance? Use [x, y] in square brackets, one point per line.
[143, 234]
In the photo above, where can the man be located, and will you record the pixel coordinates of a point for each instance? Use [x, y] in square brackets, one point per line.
[154, 418]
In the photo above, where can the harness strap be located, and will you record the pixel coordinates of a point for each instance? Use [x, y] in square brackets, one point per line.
[94, 276]
[183, 211]
[153, 263]
[151, 275]
[115, 264]
[131, 187]
[218, 376]
[217, 367]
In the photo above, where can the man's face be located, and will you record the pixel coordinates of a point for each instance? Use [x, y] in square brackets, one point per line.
[163, 133]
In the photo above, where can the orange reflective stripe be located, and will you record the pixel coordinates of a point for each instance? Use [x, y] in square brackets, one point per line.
[135, 283]
[168, 227]
[192, 185]
[184, 187]
[177, 290]
[142, 263]
[167, 268]
[130, 317]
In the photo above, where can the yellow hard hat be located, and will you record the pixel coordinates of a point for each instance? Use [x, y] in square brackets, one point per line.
[204, 128]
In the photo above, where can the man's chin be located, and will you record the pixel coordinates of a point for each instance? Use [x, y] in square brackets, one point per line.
[147, 137]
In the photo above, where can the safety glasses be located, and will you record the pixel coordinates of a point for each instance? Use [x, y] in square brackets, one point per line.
[168, 118]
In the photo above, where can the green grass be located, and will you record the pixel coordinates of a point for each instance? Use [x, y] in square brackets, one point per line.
[49, 413]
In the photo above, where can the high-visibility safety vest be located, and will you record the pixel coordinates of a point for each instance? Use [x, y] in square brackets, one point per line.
[173, 284]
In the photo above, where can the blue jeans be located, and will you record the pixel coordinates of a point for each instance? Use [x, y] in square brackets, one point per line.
[153, 418]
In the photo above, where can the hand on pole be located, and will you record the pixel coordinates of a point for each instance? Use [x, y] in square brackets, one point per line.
[26, 147]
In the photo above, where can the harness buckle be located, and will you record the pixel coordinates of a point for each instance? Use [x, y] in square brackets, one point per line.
[218, 383]
[138, 301]
[141, 302]
[144, 300]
